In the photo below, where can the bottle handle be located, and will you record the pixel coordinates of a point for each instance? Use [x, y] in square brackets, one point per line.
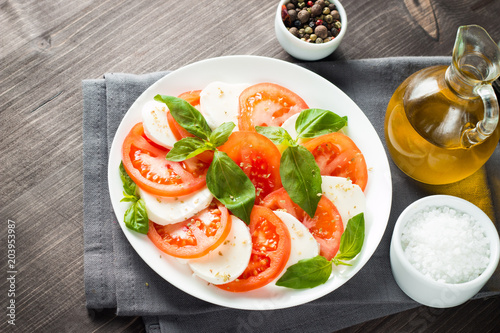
[484, 128]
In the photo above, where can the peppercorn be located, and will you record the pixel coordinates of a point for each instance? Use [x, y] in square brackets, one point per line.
[308, 30]
[313, 37]
[316, 10]
[297, 24]
[303, 16]
[335, 32]
[290, 6]
[312, 24]
[338, 25]
[328, 18]
[319, 40]
[326, 10]
[321, 3]
[335, 14]
[321, 31]
[310, 3]
[294, 31]
[319, 22]
[301, 5]
[332, 7]
[293, 14]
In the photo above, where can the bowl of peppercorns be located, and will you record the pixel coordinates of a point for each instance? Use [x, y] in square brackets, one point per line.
[310, 30]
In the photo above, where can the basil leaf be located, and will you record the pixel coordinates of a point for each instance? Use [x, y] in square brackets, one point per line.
[352, 239]
[301, 178]
[277, 135]
[128, 184]
[220, 135]
[231, 186]
[128, 198]
[307, 273]
[187, 148]
[186, 115]
[136, 217]
[315, 122]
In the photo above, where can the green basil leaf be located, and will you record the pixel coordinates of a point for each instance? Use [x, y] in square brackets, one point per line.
[277, 135]
[136, 217]
[128, 198]
[128, 184]
[352, 239]
[186, 115]
[307, 273]
[301, 178]
[220, 135]
[231, 186]
[315, 122]
[187, 148]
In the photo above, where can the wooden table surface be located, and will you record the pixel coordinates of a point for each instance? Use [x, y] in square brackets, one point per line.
[48, 47]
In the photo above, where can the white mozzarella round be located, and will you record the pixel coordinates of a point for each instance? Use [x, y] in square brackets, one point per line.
[227, 261]
[346, 196]
[168, 210]
[219, 103]
[289, 125]
[304, 245]
[154, 120]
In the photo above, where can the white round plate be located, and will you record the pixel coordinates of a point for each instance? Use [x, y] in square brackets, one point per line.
[317, 93]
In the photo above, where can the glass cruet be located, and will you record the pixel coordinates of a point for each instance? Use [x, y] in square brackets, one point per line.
[441, 124]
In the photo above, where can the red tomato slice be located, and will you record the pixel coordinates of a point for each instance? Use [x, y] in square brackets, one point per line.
[259, 159]
[271, 247]
[194, 237]
[145, 163]
[326, 226]
[267, 104]
[337, 155]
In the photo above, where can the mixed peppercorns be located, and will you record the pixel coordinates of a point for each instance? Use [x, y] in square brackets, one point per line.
[312, 21]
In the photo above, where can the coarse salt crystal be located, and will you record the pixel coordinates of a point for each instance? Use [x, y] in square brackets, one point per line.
[446, 245]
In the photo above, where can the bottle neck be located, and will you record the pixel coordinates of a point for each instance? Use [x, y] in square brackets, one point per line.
[460, 83]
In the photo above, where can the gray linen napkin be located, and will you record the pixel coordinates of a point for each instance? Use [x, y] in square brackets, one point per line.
[116, 277]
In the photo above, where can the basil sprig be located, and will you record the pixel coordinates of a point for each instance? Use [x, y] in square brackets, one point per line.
[300, 175]
[136, 216]
[312, 272]
[225, 179]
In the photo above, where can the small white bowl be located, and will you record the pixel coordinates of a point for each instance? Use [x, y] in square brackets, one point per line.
[424, 289]
[303, 50]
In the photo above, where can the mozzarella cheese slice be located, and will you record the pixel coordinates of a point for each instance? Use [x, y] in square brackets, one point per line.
[168, 210]
[219, 103]
[154, 120]
[304, 245]
[229, 260]
[346, 196]
[289, 125]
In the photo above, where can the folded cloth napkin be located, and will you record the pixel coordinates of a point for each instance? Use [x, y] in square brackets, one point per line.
[117, 278]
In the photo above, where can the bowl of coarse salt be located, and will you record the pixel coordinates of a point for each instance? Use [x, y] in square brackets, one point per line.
[443, 250]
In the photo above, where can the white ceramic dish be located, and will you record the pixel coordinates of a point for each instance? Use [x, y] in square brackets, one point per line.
[423, 289]
[313, 89]
[303, 50]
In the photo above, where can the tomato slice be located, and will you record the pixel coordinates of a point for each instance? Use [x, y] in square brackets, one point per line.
[326, 226]
[267, 104]
[194, 237]
[258, 157]
[337, 155]
[145, 163]
[271, 247]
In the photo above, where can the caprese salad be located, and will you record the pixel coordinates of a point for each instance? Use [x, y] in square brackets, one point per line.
[247, 184]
